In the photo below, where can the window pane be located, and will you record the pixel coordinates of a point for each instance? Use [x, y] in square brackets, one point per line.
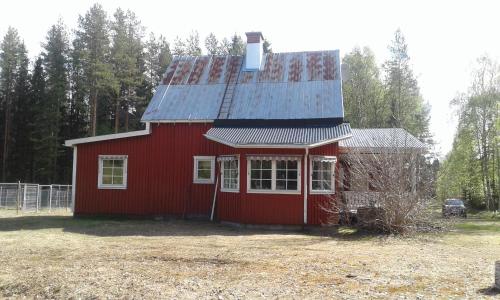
[281, 164]
[106, 180]
[326, 185]
[266, 164]
[292, 164]
[234, 164]
[117, 180]
[204, 164]
[316, 185]
[316, 165]
[226, 183]
[315, 175]
[266, 174]
[292, 185]
[118, 172]
[255, 184]
[234, 173]
[280, 184]
[226, 164]
[204, 174]
[227, 174]
[118, 163]
[107, 163]
[326, 175]
[234, 183]
[107, 171]
[280, 174]
[327, 166]
[266, 184]
[292, 174]
[255, 164]
[255, 174]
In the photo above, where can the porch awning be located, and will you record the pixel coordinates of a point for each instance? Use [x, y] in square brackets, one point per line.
[324, 158]
[278, 137]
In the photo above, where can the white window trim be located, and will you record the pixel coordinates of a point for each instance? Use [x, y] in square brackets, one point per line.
[273, 189]
[103, 186]
[222, 189]
[332, 184]
[195, 170]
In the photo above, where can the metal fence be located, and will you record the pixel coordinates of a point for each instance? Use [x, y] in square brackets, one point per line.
[31, 197]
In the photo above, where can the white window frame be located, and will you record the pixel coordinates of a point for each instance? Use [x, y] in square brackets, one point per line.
[195, 169]
[100, 184]
[222, 188]
[332, 183]
[273, 189]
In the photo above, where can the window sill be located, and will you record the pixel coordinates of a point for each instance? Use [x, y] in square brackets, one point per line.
[112, 187]
[229, 191]
[203, 181]
[322, 192]
[273, 192]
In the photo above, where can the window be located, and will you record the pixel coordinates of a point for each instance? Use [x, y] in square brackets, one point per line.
[322, 174]
[230, 174]
[204, 167]
[273, 174]
[112, 172]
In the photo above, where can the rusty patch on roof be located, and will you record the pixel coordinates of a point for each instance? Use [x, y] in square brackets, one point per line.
[329, 67]
[246, 77]
[277, 68]
[170, 72]
[216, 69]
[232, 68]
[314, 67]
[198, 69]
[295, 69]
[182, 72]
[265, 74]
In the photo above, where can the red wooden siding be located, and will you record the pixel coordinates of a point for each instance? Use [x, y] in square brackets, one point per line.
[160, 180]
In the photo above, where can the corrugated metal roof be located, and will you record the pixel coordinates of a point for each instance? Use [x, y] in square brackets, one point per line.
[382, 138]
[298, 85]
[298, 136]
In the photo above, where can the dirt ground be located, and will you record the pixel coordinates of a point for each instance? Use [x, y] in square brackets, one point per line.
[57, 256]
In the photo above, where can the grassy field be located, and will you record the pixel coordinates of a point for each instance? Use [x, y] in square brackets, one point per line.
[56, 256]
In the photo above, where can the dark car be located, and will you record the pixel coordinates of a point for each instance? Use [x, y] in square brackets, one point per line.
[454, 207]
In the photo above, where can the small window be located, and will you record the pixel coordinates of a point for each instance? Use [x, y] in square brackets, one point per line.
[204, 167]
[322, 175]
[230, 175]
[112, 172]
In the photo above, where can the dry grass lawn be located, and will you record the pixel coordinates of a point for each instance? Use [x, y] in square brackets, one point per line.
[56, 256]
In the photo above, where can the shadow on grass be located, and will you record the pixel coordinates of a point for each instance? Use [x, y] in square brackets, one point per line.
[490, 291]
[113, 227]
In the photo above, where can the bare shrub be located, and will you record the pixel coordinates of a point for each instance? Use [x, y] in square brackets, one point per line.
[390, 189]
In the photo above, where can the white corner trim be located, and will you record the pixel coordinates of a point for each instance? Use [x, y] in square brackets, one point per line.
[72, 143]
[73, 180]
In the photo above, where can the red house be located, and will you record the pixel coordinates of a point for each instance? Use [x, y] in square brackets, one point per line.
[249, 139]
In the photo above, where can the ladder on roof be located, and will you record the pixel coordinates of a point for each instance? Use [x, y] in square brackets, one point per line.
[227, 99]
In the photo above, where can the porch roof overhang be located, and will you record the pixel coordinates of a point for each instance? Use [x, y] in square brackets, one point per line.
[278, 137]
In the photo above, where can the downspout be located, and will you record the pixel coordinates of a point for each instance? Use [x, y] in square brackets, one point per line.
[305, 185]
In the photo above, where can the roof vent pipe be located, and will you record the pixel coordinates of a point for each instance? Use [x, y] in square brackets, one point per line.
[254, 50]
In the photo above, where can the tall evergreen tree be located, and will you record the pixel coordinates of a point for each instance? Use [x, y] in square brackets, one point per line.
[126, 54]
[10, 60]
[55, 62]
[212, 44]
[92, 36]
[407, 108]
[193, 47]
[157, 59]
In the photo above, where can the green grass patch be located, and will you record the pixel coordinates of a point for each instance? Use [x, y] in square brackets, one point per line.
[479, 226]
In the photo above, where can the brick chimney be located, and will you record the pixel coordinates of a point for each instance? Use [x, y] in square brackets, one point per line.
[254, 50]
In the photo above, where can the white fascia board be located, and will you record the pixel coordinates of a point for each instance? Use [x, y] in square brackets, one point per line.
[106, 137]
